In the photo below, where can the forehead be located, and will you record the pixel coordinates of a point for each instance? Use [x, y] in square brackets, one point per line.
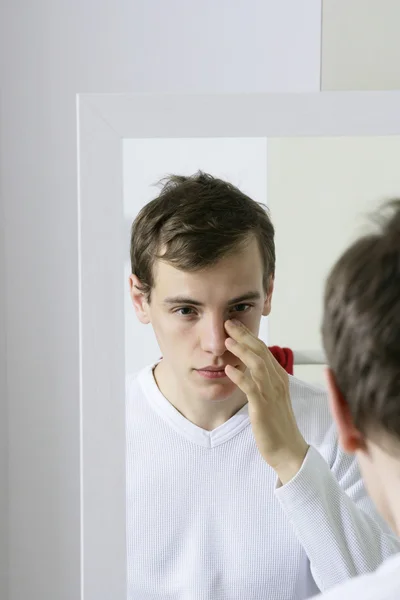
[232, 276]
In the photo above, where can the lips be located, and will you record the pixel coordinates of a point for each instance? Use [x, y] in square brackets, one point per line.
[212, 374]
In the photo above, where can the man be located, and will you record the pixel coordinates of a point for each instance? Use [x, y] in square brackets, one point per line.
[361, 333]
[236, 487]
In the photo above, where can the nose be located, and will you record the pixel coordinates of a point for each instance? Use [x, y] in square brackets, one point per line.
[213, 335]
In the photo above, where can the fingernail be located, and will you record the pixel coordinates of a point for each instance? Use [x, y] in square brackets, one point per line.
[234, 322]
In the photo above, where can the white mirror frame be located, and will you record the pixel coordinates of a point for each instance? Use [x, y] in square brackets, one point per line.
[104, 120]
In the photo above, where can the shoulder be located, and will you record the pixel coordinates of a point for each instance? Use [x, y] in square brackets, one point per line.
[131, 380]
[303, 392]
[137, 381]
[138, 393]
[383, 584]
[311, 409]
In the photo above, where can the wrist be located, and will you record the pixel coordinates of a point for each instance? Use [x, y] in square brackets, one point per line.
[289, 463]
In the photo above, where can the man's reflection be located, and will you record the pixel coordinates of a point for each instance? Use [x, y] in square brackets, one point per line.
[221, 506]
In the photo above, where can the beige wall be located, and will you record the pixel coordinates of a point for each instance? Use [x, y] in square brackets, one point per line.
[320, 191]
[360, 45]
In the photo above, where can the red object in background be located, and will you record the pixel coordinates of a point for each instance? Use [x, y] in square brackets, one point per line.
[284, 356]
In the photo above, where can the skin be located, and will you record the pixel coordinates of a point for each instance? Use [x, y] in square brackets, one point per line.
[192, 337]
[266, 385]
[379, 467]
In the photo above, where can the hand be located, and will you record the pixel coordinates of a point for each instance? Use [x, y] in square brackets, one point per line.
[266, 385]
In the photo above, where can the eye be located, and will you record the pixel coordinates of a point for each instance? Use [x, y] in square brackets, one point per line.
[239, 307]
[189, 311]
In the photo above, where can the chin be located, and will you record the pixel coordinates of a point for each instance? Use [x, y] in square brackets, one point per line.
[219, 392]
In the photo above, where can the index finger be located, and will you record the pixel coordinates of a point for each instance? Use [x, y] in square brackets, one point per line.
[241, 333]
[238, 331]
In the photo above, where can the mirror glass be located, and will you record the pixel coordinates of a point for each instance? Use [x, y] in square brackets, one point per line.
[319, 191]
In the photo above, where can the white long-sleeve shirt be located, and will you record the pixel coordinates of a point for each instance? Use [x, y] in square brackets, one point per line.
[207, 519]
[383, 584]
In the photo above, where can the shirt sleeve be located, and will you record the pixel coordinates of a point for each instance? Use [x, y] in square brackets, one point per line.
[334, 519]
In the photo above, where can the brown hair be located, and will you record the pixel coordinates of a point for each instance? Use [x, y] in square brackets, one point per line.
[361, 327]
[195, 221]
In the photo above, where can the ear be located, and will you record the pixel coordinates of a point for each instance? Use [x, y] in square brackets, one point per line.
[139, 302]
[350, 438]
[268, 299]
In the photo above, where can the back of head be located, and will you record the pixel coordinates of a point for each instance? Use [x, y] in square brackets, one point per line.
[193, 223]
[361, 328]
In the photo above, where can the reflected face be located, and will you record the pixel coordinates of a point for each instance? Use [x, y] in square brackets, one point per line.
[188, 312]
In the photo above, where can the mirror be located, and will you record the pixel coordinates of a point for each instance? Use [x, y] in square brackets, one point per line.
[319, 191]
[319, 163]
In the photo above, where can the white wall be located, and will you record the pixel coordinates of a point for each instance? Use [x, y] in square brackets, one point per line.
[242, 161]
[3, 416]
[48, 52]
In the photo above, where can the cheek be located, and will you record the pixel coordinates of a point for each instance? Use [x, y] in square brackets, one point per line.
[252, 321]
[170, 330]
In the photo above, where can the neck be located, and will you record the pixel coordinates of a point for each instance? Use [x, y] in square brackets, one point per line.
[205, 414]
[387, 476]
[391, 483]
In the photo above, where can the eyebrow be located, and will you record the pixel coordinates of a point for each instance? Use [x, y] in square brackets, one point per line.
[186, 300]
